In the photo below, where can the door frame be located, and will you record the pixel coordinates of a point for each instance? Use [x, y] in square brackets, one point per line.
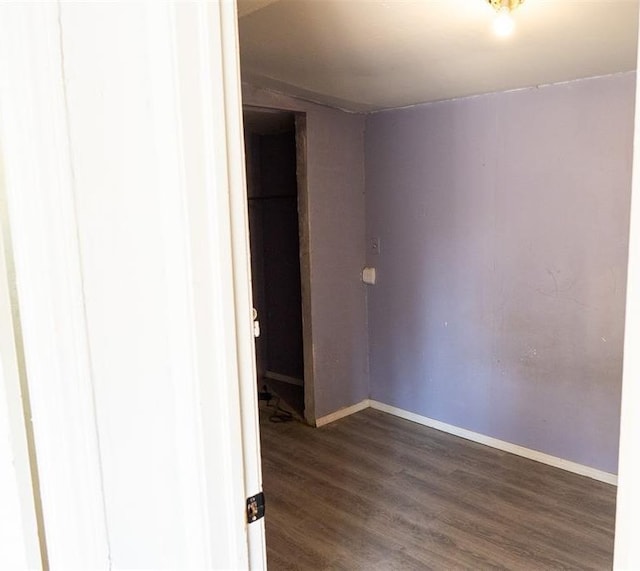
[241, 264]
[627, 549]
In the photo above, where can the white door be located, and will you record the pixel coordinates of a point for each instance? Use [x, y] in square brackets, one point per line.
[121, 141]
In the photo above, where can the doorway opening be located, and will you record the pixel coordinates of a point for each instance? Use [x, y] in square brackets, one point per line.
[275, 157]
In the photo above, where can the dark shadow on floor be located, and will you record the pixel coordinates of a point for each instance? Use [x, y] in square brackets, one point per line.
[292, 396]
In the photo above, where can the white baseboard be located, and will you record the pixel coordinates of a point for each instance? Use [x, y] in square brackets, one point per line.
[494, 443]
[284, 378]
[338, 414]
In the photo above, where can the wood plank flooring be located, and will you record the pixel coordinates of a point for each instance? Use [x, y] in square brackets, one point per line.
[372, 491]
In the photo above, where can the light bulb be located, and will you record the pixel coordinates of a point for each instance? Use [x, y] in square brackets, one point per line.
[503, 25]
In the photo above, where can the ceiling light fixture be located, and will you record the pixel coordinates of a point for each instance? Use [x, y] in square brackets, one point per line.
[504, 25]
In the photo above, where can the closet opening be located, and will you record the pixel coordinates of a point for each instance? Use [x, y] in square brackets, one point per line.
[278, 228]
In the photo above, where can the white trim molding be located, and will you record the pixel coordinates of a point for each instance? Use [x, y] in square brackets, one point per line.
[498, 444]
[225, 90]
[346, 411]
[541, 457]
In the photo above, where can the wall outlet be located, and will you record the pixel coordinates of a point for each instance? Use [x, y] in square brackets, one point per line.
[375, 245]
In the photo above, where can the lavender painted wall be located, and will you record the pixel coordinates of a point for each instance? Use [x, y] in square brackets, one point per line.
[503, 222]
[335, 177]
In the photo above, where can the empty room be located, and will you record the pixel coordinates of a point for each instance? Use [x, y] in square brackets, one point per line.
[439, 272]
[319, 284]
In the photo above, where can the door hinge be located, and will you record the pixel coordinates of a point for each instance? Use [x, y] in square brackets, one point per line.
[255, 507]
[256, 323]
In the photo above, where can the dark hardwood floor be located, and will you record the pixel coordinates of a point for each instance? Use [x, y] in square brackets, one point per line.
[372, 491]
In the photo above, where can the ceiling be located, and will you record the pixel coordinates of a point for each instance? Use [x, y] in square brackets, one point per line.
[365, 55]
